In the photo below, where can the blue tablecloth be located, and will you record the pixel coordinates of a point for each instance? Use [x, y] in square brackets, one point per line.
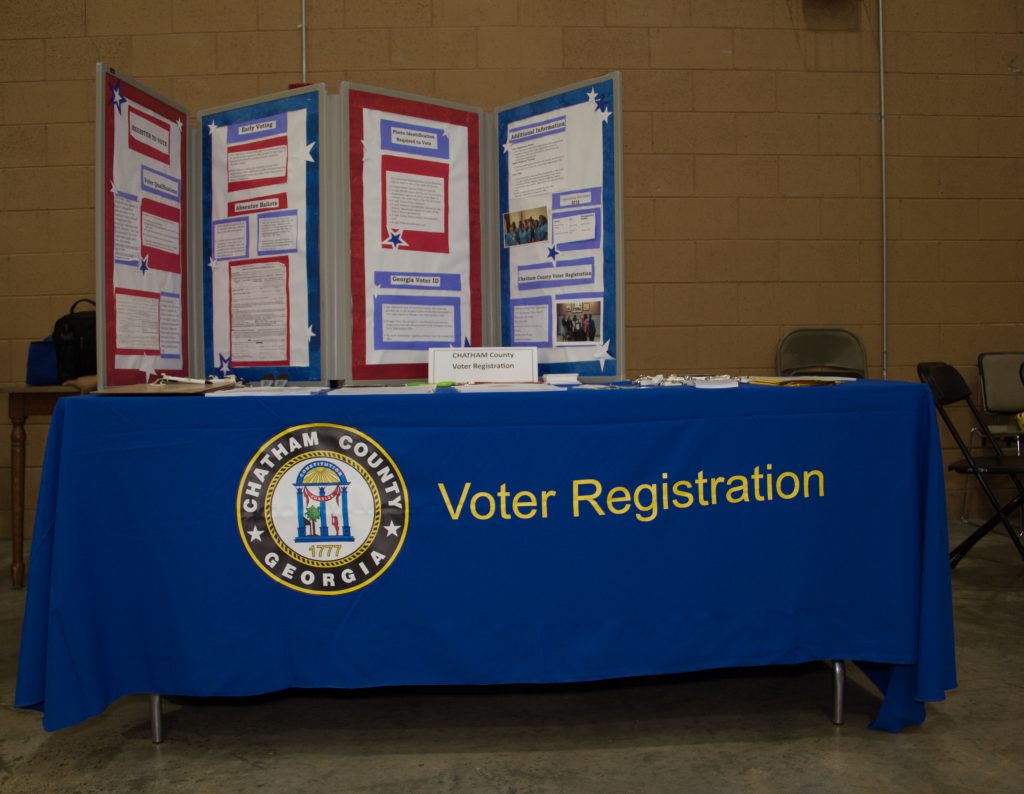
[140, 580]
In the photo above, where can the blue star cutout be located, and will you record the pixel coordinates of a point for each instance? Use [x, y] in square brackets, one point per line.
[116, 99]
[225, 364]
[394, 239]
[144, 265]
[600, 102]
[552, 252]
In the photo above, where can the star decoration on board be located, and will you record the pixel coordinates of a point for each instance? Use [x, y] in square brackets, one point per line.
[602, 354]
[116, 99]
[225, 365]
[178, 122]
[113, 188]
[592, 96]
[144, 264]
[256, 534]
[310, 333]
[309, 152]
[553, 252]
[212, 127]
[366, 157]
[505, 147]
[148, 367]
[604, 114]
[212, 264]
[394, 239]
[392, 529]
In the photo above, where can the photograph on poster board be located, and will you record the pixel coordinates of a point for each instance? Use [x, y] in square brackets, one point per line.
[579, 321]
[415, 231]
[142, 233]
[557, 166]
[261, 238]
[525, 226]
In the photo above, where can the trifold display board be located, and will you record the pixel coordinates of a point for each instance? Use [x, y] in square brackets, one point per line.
[340, 237]
[413, 174]
[263, 237]
[142, 220]
[558, 173]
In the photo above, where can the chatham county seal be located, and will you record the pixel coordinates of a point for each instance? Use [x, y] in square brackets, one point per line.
[322, 509]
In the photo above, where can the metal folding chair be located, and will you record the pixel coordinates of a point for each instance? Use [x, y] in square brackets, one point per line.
[948, 388]
[821, 351]
[1002, 394]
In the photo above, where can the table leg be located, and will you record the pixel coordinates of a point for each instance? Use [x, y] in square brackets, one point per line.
[156, 718]
[17, 414]
[838, 685]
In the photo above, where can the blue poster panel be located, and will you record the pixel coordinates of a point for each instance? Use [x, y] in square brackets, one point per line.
[261, 274]
[558, 199]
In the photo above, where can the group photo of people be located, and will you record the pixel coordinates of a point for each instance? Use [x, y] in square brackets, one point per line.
[579, 321]
[525, 226]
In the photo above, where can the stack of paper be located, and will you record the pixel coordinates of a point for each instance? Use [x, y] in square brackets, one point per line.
[473, 388]
[562, 378]
[417, 388]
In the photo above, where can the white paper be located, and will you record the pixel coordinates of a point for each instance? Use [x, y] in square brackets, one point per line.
[571, 228]
[501, 387]
[419, 388]
[252, 164]
[160, 233]
[126, 228]
[277, 232]
[138, 322]
[230, 239]
[259, 312]
[537, 167]
[531, 324]
[404, 322]
[268, 391]
[170, 326]
[415, 202]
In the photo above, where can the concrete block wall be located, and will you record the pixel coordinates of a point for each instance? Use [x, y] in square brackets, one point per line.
[750, 131]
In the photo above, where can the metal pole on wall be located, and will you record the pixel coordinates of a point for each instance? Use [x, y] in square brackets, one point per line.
[885, 196]
[302, 25]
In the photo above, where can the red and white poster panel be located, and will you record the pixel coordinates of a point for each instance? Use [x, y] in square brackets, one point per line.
[414, 173]
[143, 232]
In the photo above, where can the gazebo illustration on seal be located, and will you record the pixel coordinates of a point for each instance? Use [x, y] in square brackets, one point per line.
[320, 482]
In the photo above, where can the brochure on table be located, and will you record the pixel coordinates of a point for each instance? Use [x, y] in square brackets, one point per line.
[560, 214]
[142, 214]
[262, 239]
[413, 178]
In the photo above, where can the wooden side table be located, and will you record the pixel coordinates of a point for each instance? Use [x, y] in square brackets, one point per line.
[23, 402]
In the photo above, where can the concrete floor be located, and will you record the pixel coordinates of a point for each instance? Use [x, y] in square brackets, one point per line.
[764, 729]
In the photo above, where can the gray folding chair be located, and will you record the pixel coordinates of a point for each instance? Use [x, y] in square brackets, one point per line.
[949, 388]
[1002, 395]
[821, 351]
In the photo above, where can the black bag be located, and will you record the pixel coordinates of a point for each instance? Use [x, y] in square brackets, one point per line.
[74, 339]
